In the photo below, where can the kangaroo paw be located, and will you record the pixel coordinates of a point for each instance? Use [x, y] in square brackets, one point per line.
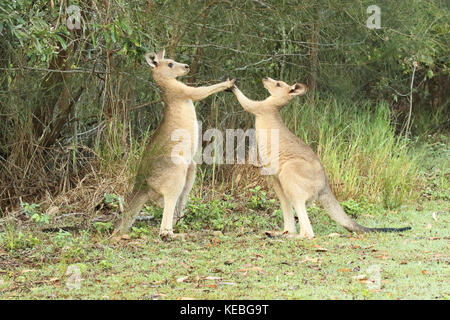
[169, 236]
[299, 236]
[273, 233]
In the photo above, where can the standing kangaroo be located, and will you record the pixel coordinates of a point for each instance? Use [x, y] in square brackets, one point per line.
[167, 171]
[298, 176]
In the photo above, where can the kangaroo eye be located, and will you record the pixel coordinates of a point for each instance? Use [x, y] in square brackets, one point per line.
[278, 84]
[170, 65]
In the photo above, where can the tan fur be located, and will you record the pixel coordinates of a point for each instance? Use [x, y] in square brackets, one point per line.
[298, 176]
[159, 178]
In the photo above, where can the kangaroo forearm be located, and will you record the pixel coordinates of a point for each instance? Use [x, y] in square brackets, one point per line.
[245, 102]
[200, 93]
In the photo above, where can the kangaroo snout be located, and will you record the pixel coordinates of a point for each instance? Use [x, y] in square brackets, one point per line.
[186, 66]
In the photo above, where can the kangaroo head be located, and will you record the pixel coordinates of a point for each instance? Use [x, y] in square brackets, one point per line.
[166, 68]
[281, 91]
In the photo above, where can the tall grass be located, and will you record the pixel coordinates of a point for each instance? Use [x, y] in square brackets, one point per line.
[359, 149]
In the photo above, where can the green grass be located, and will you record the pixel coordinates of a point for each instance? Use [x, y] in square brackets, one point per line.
[241, 263]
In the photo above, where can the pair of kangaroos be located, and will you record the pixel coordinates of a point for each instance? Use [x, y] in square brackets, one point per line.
[167, 178]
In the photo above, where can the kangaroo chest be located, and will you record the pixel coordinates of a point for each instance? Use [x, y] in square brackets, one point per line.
[268, 141]
[182, 126]
[194, 127]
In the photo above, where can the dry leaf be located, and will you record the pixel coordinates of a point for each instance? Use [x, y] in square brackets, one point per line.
[434, 216]
[27, 271]
[308, 259]
[186, 265]
[319, 248]
[344, 270]
[334, 234]
[182, 279]
[367, 281]
[238, 178]
[425, 272]
[258, 269]
[53, 210]
[360, 277]
[270, 234]
[185, 298]
[213, 278]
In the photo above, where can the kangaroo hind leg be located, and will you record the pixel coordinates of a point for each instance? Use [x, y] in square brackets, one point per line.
[171, 190]
[286, 207]
[306, 230]
[135, 203]
[296, 188]
[181, 204]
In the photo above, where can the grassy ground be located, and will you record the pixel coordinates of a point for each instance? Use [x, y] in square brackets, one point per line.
[239, 263]
[228, 255]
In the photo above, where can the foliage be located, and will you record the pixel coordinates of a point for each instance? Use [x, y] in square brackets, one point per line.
[14, 239]
[103, 227]
[258, 199]
[201, 214]
[73, 97]
[33, 211]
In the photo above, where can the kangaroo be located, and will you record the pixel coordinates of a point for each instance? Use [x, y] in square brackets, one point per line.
[298, 176]
[166, 172]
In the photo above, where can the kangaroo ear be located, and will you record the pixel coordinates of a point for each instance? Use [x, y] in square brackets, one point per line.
[151, 59]
[161, 54]
[298, 89]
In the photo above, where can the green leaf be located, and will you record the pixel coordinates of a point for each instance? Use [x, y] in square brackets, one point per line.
[38, 45]
[61, 41]
[113, 34]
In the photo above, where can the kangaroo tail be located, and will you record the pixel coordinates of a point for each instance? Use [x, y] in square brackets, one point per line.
[388, 229]
[335, 211]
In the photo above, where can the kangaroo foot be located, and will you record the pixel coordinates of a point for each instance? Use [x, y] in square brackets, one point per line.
[277, 233]
[169, 236]
[298, 236]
